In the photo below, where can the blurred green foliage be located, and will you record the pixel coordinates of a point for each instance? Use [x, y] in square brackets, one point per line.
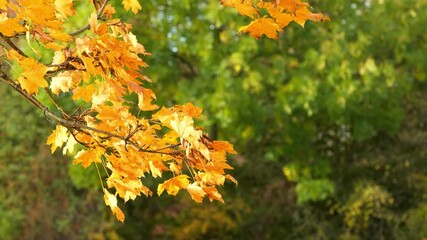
[329, 122]
[39, 201]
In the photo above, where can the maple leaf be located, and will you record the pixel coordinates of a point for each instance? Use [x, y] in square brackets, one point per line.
[223, 146]
[33, 72]
[10, 26]
[84, 92]
[132, 4]
[292, 5]
[173, 185]
[184, 127]
[211, 178]
[262, 26]
[69, 146]
[87, 157]
[111, 200]
[58, 137]
[303, 14]
[65, 8]
[61, 82]
[175, 168]
[213, 194]
[190, 110]
[244, 7]
[156, 169]
[196, 192]
[145, 97]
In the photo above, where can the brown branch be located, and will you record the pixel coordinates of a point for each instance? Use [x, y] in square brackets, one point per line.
[87, 26]
[49, 94]
[12, 45]
[76, 125]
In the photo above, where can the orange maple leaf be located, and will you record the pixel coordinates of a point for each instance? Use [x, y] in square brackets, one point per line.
[278, 15]
[244, 7]
[196, 192]
[173, 185]
[260, 26]
[10, 26]
[87, 157]
[190, 110]
[213, 194]
[223, 146]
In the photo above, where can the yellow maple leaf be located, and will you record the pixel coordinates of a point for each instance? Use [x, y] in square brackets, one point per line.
[84, 92]
[111, 200]
[10, 26]
[196, 192]
[69, 146]
[184, 127]
[176, 169]
[155, 170]
[33, 72]
[132, 4]
[87, 157]
[145, 97]
[211, 178]
[244, 7]
[213, 194]
[62, 82]
[58, 137]
[261, 26]
[173, 185]
[65, 8]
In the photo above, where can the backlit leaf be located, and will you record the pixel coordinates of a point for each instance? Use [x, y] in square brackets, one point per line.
[32, 76]
[262, 26]
[196, 192]
[173, 185]
[58, 137]
[132, 4]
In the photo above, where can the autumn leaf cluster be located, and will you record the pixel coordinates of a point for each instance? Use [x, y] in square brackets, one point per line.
[279, 13]
[98, 66]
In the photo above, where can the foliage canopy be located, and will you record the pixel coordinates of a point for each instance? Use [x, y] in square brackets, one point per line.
[98, 67]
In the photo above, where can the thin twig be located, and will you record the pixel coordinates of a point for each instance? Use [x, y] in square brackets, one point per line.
[49, 94]
[12, 45]
[99, 175]
[87, 26]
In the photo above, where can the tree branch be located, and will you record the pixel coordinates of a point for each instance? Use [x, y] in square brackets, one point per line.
[73, 124]
[12, 45]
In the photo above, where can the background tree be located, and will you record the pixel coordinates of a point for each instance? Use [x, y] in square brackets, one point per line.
[318, 116]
